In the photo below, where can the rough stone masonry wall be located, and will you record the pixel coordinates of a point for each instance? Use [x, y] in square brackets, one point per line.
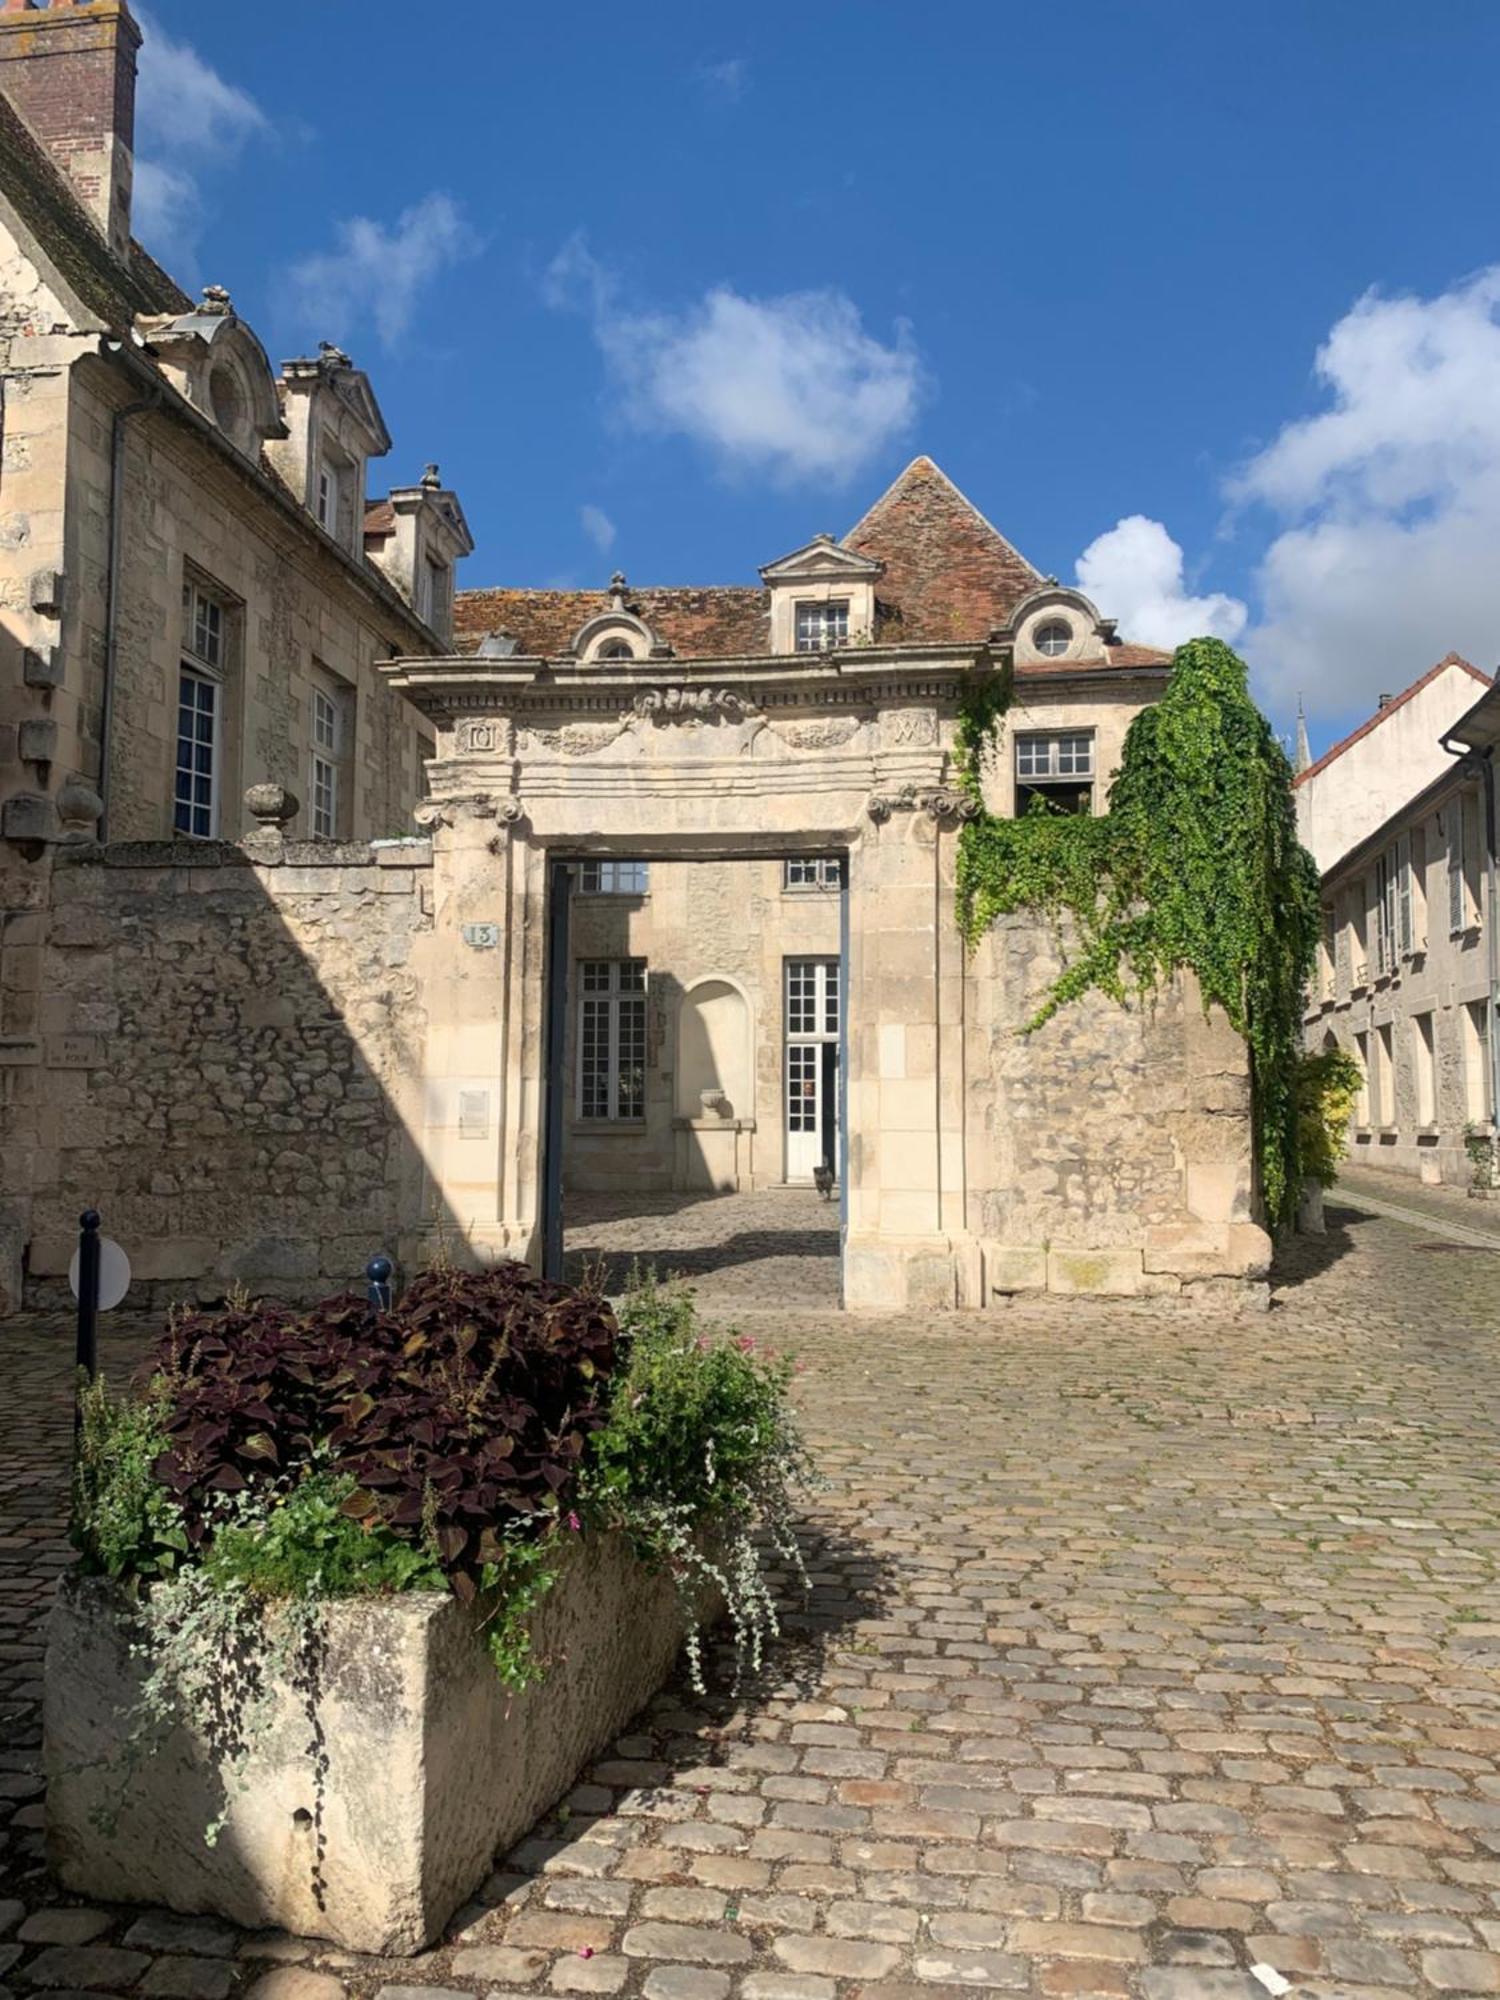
[1110, 1150]
[231, 1064]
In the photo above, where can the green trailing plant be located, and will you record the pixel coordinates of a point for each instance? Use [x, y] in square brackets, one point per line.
[1327, 1085]
[124, 1523]
[1196, 867]
[698, 1462]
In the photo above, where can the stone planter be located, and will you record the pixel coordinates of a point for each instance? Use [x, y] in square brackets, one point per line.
[432, 1767]
[1310, 1217]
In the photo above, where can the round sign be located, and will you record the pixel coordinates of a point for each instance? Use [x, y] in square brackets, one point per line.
[114, 1273]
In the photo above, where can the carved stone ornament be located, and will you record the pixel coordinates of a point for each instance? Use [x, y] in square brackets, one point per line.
[909, 728]
[271, 805]
[680, 704]
[940, 802]
[483, 736]
[474, 805]
[830, 732]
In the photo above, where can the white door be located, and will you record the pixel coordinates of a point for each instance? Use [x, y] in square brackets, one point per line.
[812, 1065]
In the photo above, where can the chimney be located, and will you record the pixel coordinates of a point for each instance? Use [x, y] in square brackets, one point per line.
[69, 69]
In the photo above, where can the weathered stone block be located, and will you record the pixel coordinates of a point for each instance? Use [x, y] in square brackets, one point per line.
[432, 1767]
[1218, 1191]
[29, 816]
[42, 666]
[1249, 1250]
[1007, 1269]
[36, 740]
[1199, 1248]
[1114, 1272]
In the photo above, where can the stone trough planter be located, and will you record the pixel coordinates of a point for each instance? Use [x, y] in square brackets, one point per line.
[432, 1767]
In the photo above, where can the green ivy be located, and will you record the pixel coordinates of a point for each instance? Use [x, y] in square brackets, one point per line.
[1196, 866]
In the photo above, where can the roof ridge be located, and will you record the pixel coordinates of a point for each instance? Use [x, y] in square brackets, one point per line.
[925, 461]
[1449, 659]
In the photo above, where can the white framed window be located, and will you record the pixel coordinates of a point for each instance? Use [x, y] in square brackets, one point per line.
[822, 624]
[614, 878]
[1386, 1074]
[1474, 1022]
[1056, 766]
[328, 496]
[206, 620]
[812, 998]
[611, 1038]
[329, 733]
[1424, 1065]
[812, 871]
[195, 790]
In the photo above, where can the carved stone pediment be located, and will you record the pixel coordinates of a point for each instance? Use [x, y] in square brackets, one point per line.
[943, 803]
[687, 704]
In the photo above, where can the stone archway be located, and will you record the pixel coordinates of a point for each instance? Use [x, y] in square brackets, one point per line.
[790, 755]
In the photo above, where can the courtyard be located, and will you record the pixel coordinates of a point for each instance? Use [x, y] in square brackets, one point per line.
[1144, 1649]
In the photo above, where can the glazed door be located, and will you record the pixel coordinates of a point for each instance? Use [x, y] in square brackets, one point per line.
[812, 1066]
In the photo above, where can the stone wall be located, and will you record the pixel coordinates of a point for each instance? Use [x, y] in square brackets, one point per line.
[230, 1064]
[1109, 1150]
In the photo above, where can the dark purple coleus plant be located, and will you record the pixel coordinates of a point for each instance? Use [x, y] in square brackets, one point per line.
[459, 1413]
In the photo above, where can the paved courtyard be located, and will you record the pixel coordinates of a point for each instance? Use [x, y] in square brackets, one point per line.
[739, 1250]
[1144, 1649]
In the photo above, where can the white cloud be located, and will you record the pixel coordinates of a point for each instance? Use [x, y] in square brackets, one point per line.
[725, 81]
[1134, 573]
[1389, 503]
[791, 386]
[188, 120]
[599, 528]
[378, 272]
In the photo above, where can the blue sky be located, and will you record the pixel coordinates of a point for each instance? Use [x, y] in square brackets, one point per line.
[674, 288]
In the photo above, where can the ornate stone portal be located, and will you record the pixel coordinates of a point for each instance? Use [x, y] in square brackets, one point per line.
[799, 754]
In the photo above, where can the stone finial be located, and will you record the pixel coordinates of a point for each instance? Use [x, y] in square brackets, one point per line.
[216, 301]
[617, 589]
[79, 809]
[431, 478]
[334, 356]
[271, 806]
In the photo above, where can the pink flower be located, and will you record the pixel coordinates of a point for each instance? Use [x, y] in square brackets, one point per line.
[745, 1344]
[703, 1343]
[574, 1523]
[586, 1951]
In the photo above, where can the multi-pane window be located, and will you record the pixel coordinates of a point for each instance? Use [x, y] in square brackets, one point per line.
[1474, 1020]
[612, 1038]
[1385, 914]
[328, 497]
[1424, 1066]
[195, 790]
[1056, 767]
[812, 996]
[812, 871]
[820, 626]
[614, 878]
[328, 761]
[195, 780]
[1458, 911]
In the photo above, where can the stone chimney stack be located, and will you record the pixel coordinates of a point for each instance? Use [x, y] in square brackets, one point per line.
[69, 69]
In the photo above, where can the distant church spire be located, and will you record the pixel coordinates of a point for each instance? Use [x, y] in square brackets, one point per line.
[1303, 757]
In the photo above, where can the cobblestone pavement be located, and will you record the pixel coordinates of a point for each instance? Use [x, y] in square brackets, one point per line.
[739, 1250]
[1143, 1650]
[1441, 1204]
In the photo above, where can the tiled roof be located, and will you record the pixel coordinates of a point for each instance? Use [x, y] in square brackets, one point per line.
[711, 623]
[1388, 709]
[380, 517]
[948, 576]
[948, 573]
[68, 238]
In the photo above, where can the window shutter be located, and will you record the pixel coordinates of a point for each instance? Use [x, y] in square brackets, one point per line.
[1341, 958]
[1403, 895]
[1456, 862]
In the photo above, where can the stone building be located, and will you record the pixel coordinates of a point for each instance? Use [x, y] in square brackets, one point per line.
[194, 593]
[1407, 973]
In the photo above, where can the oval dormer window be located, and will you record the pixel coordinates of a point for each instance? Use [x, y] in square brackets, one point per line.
[1053, 638]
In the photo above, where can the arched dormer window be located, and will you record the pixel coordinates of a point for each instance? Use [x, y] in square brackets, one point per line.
[1055, 626]
[211, 356]
[618, 633]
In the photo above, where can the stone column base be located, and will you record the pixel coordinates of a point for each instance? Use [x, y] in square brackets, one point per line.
[887, 1274]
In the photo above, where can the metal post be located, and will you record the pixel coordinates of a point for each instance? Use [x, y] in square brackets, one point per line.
[88, 1293]
[378, 1273]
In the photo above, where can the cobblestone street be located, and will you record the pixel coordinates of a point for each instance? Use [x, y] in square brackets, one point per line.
[1144, 1649]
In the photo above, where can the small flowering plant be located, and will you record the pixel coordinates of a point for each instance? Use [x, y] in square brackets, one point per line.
[698, 1461]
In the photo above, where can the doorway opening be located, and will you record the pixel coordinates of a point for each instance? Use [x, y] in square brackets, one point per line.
[696, 1052]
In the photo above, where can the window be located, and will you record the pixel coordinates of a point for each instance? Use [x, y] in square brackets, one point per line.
[614, 878]
[1057, 769]
[820, 626]
[1458, 909]
[812, 871]
[812, 996]
[612, 1038]
[1362, 1095]
[1385, 913]
[200, 721]
[1328, 955]
[616, 649]
[225, 398]
[1386, 1074]
[1053, 639]
[1424, 1067]
[1474, 1023]
[328, 497]
[1343, 959]
[1417, 878]
[432, 592]
[330, 733]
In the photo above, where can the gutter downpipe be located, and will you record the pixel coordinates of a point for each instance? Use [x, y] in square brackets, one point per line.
[121, 418]
[1486, 758]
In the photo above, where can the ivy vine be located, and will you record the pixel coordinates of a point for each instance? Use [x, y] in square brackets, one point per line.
[1196, 866]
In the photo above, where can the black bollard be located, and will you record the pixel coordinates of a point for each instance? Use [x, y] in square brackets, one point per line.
[88, 1292]
[379, 1272]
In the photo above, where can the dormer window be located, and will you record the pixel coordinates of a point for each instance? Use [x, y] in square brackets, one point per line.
[821, 626]
[432, 592]
[615, 649]
[1054, 638]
